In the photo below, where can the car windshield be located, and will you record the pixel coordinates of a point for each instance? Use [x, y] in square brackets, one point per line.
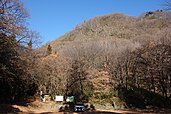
[79, 104]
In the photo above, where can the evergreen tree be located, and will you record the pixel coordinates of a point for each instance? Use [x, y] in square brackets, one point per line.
[30, 44]
[11, 71]
[49, 50]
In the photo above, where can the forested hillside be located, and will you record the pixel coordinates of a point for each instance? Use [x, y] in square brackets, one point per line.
[108, 59]
[111, 58]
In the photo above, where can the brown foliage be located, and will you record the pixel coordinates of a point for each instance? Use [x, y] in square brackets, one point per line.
[132, 51]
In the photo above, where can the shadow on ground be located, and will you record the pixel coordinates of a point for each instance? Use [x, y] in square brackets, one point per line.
[9, 108]
[100, 112]
[4, 108]
[88, 110]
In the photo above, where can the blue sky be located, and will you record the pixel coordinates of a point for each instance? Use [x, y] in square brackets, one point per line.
[53, 18]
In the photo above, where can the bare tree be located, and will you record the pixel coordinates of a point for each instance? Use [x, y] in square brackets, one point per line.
[168, 5]
[13, 17]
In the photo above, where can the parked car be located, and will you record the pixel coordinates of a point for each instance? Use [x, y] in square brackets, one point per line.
[79, 107]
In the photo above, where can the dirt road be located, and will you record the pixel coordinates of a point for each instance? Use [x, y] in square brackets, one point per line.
[38, 107]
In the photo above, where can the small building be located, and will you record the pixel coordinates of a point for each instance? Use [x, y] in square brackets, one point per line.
[59, 98]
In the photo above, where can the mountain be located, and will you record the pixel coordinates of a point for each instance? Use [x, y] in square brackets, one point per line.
[110, 57]
[116, 26]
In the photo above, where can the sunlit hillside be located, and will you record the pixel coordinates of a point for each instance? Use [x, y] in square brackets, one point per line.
[117, 26]
[111, 57]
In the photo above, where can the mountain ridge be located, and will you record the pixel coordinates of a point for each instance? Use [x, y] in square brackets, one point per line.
[112, 26]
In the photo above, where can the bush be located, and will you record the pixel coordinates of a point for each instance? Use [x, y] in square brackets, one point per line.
[141, 98]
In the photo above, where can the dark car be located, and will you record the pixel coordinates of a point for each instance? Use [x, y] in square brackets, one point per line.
[79, 107]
